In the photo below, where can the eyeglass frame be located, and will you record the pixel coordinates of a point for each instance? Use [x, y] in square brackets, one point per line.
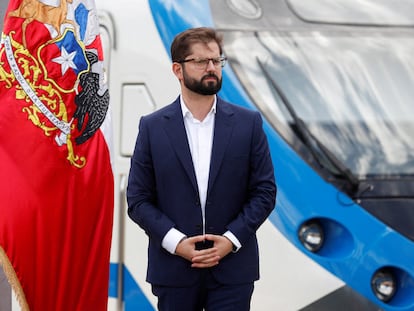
[199, 61]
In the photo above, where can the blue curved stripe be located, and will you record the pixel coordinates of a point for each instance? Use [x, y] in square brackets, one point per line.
[113, 280]
[133, 297]
[171, 17]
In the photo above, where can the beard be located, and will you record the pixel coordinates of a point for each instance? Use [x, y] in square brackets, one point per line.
[202, 87]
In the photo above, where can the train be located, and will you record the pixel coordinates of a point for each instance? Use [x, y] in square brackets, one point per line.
[333, 82]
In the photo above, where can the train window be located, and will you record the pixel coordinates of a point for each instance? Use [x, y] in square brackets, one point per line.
[349, 89]
[136, 102]
[368, 12]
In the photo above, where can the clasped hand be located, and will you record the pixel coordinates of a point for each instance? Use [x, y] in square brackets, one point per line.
[205, 258]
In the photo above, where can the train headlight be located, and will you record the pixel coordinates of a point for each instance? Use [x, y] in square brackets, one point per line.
[311, 235]
[384, 284]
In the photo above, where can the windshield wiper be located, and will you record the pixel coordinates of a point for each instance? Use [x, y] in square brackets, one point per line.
[318, 150]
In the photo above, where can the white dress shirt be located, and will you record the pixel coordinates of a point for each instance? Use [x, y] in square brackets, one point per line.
[200, 139]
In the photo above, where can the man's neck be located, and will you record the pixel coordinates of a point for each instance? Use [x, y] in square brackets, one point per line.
[199, 105]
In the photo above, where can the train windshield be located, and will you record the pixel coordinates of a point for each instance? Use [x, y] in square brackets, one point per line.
[353, 91]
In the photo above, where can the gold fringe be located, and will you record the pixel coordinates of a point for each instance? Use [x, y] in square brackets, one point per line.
[13, 280]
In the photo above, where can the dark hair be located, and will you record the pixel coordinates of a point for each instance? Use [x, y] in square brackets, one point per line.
[182, 43]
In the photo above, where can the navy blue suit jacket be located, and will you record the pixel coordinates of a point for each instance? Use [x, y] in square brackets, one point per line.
[162, 190]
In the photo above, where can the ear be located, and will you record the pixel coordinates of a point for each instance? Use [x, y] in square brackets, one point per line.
[177, 70]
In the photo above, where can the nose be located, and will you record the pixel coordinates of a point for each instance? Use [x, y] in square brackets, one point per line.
[210, 65]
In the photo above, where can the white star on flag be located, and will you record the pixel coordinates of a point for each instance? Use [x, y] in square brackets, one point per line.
[65, 60]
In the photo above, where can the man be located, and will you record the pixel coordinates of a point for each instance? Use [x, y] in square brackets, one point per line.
[200, 185]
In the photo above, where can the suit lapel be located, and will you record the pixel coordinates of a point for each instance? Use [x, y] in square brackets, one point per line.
[223, 128]
[175, 129]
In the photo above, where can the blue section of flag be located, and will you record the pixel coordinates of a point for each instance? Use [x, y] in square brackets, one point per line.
[70, 44]
[81, 17]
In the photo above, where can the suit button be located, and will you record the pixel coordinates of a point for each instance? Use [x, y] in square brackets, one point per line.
[198, 226]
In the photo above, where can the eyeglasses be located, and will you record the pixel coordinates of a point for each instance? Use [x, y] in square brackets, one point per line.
[202, 63]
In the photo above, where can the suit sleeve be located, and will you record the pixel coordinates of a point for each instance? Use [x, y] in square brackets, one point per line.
[261, 196]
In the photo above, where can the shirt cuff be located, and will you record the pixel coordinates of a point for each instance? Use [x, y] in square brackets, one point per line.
[234, 240]
[171, 240]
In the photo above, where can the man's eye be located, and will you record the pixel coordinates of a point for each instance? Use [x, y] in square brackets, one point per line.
[202, 61]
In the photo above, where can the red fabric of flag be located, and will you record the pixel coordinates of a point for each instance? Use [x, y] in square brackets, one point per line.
[56, 185]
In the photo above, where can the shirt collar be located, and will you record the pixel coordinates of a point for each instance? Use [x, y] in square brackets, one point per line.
[186, 112]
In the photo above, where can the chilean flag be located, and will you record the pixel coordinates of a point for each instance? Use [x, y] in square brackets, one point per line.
[56, 186]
